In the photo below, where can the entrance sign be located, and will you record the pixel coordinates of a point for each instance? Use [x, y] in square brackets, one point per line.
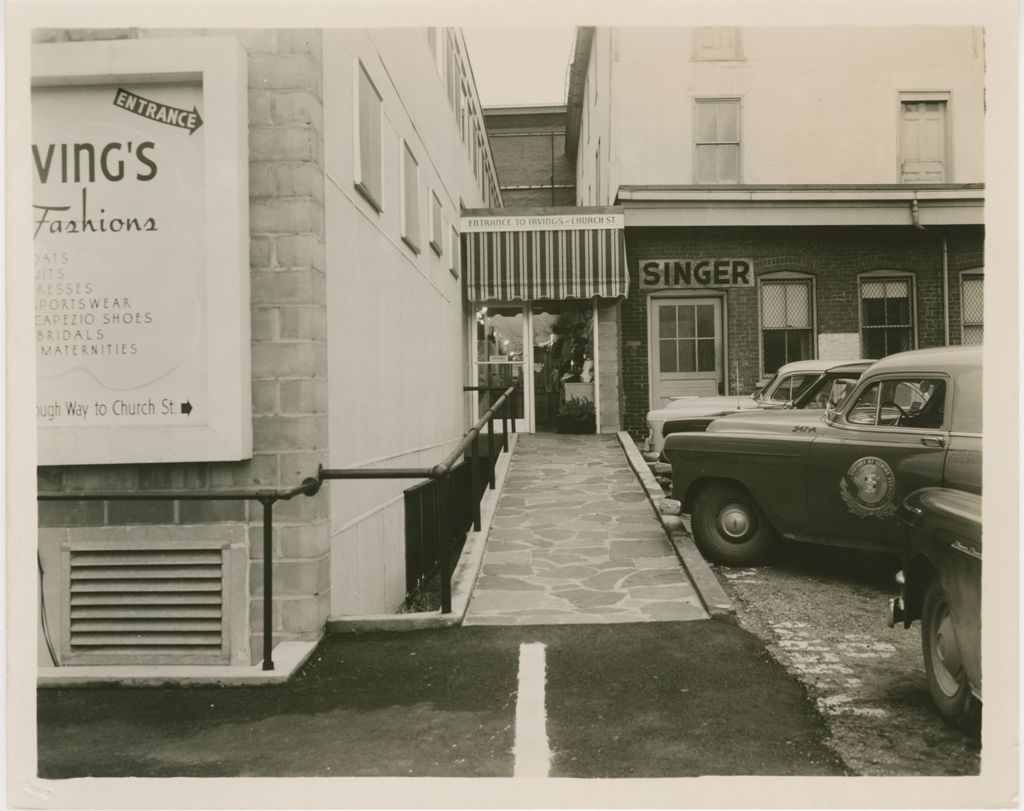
[662, 274]
[578, 220]
[140, 237]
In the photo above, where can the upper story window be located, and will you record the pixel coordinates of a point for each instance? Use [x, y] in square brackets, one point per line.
[716, 43]
[886, 314]
[924, 138]
[368, 145]
[717, 145]
[972, 308]
[410, 199]
[787, 322]
[452, 77]
[464, 111]
[453, 253]
[436, 224]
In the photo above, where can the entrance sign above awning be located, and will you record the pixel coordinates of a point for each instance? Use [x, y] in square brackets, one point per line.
[542, 222]
[526, 256]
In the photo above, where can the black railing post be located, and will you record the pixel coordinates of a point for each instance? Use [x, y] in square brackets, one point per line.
[445, 486]
[490, 450]
[474, 479]
[504, 425]
[267, 500]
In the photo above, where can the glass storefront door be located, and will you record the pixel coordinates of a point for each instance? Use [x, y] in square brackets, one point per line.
[500, 356]
[562, 360]
[547, 348]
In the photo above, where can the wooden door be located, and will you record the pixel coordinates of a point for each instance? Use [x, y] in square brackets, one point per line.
[686, 348]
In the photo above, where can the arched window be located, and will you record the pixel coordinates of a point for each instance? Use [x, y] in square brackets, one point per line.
[786, 302]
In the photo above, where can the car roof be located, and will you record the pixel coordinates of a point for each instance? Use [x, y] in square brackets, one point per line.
[859, 366]
[819, 365]
[938, 359]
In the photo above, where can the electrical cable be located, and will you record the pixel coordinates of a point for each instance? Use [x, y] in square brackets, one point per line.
[42, 613]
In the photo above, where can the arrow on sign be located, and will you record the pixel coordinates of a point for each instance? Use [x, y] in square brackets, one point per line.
[156, 111]
[186, 408]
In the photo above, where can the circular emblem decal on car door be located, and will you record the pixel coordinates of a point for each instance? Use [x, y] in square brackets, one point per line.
[868, 488]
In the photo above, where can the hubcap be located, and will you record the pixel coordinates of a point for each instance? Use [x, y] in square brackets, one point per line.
[946, 652]
[735, 521]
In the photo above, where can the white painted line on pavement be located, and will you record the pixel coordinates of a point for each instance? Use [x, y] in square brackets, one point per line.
[532, 754]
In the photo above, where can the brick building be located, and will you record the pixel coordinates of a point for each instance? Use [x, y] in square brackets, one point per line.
[355, 151]
[776, 211]
[529, 148]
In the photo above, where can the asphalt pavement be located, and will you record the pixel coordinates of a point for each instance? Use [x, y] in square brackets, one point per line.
[624, 700]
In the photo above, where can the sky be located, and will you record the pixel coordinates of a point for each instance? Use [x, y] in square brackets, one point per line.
[520, 65]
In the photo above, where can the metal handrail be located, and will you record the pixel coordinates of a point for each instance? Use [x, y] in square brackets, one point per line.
[311, 486]
[442, 471]
[441, 468]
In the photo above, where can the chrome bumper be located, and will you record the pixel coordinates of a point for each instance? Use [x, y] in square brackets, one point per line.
[897, 606]
[896, 612]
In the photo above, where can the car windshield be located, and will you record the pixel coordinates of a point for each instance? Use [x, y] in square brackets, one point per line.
[763, 386]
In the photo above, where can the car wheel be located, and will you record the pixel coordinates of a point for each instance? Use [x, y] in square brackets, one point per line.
[947, 680]
[729, 527]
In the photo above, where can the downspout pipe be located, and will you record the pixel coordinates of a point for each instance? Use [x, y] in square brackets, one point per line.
[915, 216]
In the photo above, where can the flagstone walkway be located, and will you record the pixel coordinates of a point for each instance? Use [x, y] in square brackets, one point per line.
[575, 540]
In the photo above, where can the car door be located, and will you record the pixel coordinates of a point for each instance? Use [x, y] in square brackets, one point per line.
[890, 438]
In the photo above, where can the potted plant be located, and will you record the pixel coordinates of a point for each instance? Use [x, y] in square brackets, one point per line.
[576, 417]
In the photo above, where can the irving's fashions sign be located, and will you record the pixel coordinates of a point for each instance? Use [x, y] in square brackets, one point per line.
[690, 274]
[140, 234]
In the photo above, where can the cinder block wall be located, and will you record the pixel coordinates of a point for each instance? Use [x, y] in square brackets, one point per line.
[289, 348]
[834, 256]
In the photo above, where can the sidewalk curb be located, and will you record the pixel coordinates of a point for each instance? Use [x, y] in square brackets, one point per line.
[463, 579]
[288, 658]
[712, 596]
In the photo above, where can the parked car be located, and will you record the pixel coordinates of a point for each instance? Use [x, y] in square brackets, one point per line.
[913, 420]
[803, 381]
[941, 586]
[827, 390]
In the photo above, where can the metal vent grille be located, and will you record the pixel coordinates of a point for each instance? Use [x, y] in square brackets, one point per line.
[128, 603]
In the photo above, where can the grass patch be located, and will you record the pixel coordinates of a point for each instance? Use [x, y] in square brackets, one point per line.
[426, 598]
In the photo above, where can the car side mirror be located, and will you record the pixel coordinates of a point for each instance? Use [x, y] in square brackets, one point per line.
[790, 404]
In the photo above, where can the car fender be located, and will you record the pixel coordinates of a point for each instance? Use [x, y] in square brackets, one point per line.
[770, 467]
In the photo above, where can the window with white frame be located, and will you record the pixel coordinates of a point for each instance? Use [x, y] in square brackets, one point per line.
[368, 145]
[453, 253]
[972, 308]
[452, 76]
[787, 321]
[410, 199]
[924, 136]
[716, 43]
[436, 226]
[886, 314]
[717, 158]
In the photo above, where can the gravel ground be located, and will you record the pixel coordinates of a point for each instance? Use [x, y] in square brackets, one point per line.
[820, 612]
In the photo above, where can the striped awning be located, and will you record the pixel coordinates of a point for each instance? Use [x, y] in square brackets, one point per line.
[509, 256]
